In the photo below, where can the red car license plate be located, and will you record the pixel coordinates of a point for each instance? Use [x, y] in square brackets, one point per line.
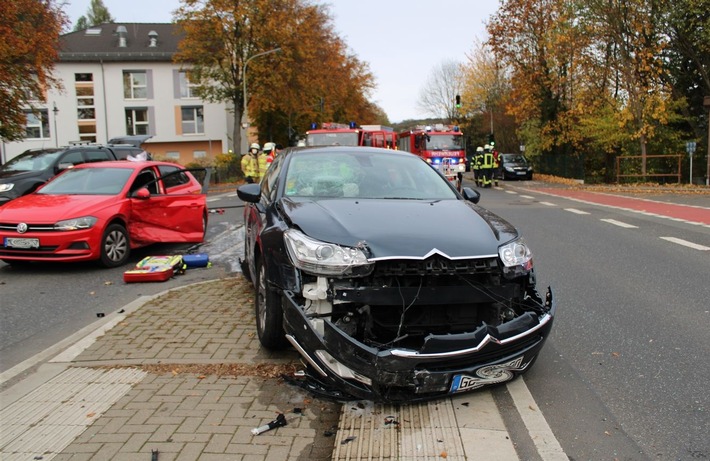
[12, 242]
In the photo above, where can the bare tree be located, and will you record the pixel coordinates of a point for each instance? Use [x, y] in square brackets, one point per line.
[438, 96]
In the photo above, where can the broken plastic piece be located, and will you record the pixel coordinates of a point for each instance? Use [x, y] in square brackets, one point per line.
[280, 421]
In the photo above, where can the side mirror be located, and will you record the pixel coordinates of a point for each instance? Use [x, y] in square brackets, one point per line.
[471, 195]
[250, 193]
[143, 193]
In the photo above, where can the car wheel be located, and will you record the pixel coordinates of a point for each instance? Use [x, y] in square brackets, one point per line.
[530, 177]
[115, 247]
[204, 226]
[268, 311]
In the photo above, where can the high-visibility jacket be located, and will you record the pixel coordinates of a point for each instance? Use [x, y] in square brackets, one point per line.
[488, 160]
[262, 165]
[250, 165]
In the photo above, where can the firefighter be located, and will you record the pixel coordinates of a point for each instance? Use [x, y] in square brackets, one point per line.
[270, 152]
[487, 166]
[496, 167]
[250, 163]
[476, 163]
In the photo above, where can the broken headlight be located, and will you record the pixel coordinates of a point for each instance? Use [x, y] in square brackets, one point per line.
[322, 258]
[516, 255]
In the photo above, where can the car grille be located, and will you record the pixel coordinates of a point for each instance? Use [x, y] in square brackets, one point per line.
[436, 265]
[12, 227]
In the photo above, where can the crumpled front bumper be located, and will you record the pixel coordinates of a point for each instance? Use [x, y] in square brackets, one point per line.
[445, 364]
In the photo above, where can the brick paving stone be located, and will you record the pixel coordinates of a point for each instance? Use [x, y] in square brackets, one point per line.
[188, 415]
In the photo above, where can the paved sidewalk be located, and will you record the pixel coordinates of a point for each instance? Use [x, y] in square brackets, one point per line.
[199, 385]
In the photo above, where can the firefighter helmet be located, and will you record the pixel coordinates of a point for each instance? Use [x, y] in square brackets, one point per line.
[479, 149]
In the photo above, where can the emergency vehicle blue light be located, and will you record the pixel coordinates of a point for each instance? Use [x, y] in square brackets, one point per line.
[353, 125]
[437, 161]
[456, 128]
[314, 126]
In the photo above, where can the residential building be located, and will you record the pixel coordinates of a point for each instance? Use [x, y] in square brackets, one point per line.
[119, 80]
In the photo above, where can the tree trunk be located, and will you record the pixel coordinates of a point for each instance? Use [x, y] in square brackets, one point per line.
[643, 156]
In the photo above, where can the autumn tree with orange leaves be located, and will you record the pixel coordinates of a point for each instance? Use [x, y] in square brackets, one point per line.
[284, 88]
[29, 45]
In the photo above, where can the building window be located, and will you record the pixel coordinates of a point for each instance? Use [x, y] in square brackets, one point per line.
[135, 85]
[37, 125]
[187, 88]
[193, 120]
[86, 110]
[136, 121]
[173, 155]
[199, 154]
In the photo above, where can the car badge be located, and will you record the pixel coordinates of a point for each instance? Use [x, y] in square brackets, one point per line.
[22, 228]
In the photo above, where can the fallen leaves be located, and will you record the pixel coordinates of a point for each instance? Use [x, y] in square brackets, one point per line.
[261, 370]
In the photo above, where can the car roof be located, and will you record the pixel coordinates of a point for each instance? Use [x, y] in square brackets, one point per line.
[126, 164]
[336, 149]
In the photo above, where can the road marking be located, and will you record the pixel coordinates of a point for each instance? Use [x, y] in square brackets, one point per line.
[575, 211]
[527, 196]
[511, 192]
[619, 223]
[547, 204]
[686, 243]
[547, 445]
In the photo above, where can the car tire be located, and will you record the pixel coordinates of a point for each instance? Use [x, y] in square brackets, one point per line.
[115, 246]
[530, 176]
[268, 312]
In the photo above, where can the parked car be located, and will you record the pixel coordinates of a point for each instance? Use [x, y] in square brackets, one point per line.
[29, 170]
[515, 166]
[100, 211]
[390, 284]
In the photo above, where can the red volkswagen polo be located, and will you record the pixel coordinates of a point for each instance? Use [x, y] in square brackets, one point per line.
[100, 211]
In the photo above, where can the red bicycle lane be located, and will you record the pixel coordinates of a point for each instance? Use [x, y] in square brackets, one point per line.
[693, 214]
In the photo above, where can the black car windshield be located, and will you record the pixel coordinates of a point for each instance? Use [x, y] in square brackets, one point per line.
[32, 161]
[88, 181]
[364, 175]
[514, 158]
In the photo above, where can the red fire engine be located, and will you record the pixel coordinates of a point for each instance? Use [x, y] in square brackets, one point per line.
[440, 145]
[340, 134]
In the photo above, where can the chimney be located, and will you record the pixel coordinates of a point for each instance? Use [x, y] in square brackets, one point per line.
[153, 39]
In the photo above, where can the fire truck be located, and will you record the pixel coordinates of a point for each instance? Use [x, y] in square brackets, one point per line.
[440, 145]
[340, 134]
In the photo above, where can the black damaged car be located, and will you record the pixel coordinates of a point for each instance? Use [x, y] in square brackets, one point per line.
[391, 285]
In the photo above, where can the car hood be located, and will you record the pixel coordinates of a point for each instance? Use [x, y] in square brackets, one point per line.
[516, 164]
[402, 228]
[10, 176]
[52, 208]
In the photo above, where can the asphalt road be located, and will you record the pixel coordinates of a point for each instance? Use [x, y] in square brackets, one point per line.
[625, 373]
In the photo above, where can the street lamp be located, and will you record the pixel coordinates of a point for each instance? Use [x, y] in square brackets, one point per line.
[245, 119]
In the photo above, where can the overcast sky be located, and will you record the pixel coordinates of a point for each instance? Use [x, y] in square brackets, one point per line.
[401, 40]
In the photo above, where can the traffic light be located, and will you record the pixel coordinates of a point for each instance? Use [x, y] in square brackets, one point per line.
[458, 101]
[491, 140]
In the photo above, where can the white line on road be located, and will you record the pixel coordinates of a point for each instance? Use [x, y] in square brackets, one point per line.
[686, 243]
[575, 211]
[511, 192]
[547, 445]
[620, 224]
[527, 196]
[547, 204]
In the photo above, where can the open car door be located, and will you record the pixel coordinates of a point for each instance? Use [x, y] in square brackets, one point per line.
[165, 213]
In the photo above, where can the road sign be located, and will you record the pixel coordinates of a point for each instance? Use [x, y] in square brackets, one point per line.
[690, 147]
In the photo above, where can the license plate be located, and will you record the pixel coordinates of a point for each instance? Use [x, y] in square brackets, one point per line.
[491, 374]
[519, 172]
[11, 242]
